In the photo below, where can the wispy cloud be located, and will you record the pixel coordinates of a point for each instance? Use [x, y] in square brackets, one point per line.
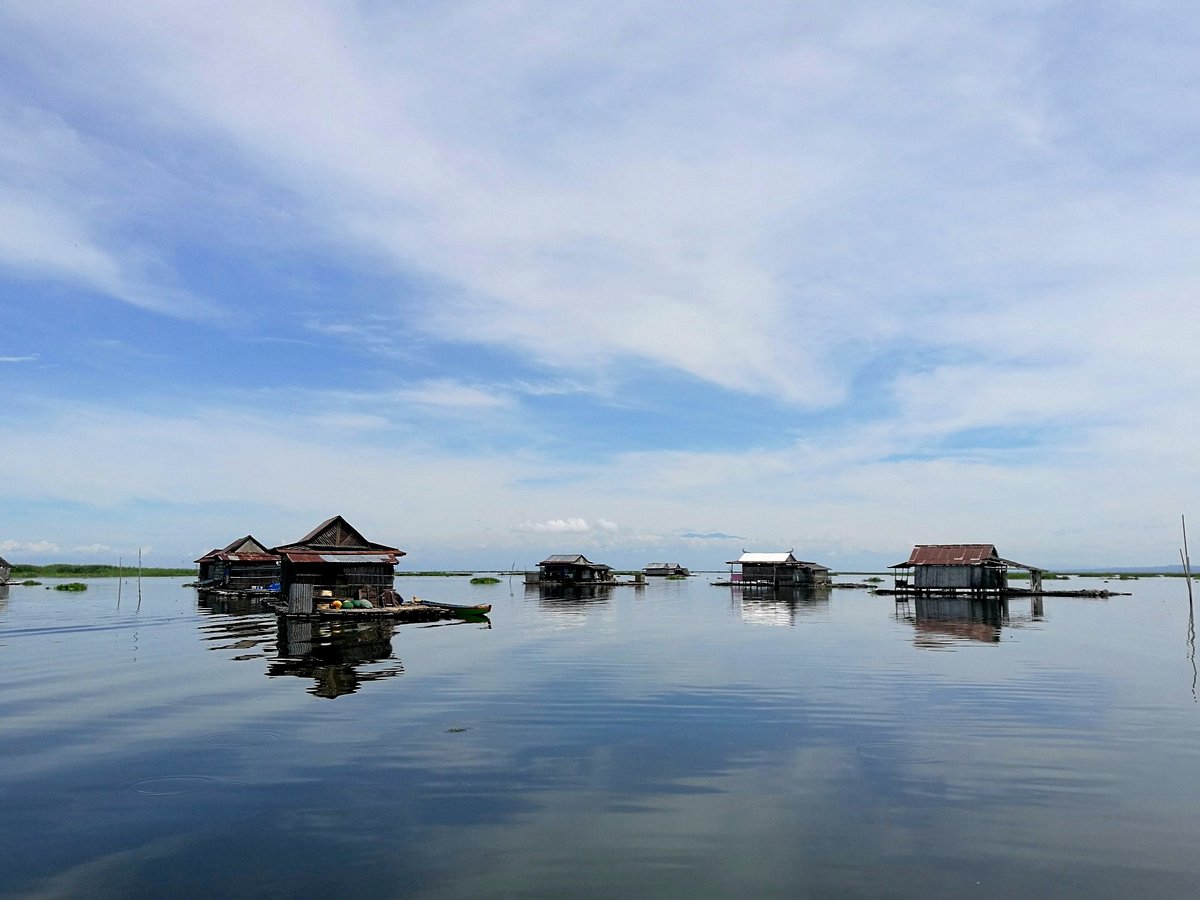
[809, 280]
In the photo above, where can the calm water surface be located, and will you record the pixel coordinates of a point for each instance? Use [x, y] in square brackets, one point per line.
[677, 740]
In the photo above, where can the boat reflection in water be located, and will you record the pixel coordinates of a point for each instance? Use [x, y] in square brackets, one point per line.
[940, 622]
[767, 605]
[335, 655]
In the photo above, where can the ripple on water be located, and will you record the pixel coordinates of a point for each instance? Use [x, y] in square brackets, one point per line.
[242, 738]
[170, 785]
[900, 750]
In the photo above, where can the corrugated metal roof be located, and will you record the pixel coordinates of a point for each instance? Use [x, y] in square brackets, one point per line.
[773, 559]
[349, 557]
[767, 558]
[950, 555]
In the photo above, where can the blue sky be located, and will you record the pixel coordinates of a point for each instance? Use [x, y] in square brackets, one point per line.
[640, 280]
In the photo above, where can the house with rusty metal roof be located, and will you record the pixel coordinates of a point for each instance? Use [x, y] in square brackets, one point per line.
[245, 565]
[779, 570]
[570, 569]
[334, 561]
[952, 568]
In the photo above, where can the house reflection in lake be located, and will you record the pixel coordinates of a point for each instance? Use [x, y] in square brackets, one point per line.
[335, 655]
[939, 622]
[764, 605]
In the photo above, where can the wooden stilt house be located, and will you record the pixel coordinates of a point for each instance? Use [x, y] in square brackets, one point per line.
[334, 561]
[779, 570]
[567, 568]
[244, 565]
[5, 570]
[666, 570]
[975, 569]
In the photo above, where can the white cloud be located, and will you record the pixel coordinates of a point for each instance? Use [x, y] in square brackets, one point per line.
[572, 525]
[33, 357]
[32, 548]
[95, 550]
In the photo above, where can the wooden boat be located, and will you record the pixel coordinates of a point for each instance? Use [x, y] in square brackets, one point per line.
[459, 610]
[410, 611]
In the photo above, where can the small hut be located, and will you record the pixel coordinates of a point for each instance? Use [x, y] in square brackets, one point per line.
[975, 569]
[667, 570]
[5, 570]
[244, 565]
[779, 570]
[334, 561]
[566, 568]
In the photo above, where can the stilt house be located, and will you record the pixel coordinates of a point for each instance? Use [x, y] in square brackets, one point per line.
[779, 570]
[334, 561]
[5, 570]
[666, 569]
[245, 565]
[952, 568]
[565, 568]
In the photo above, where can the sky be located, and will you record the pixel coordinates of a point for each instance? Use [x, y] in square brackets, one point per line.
[647, 281]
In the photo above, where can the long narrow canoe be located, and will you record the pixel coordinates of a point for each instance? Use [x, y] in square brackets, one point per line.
[458, 609]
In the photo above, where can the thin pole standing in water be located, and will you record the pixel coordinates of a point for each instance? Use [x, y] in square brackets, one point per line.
[120, 578]
[1186, 558]
[139, 606]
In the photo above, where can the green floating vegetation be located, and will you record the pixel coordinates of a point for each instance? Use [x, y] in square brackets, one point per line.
[78, 570]
[71, 586]
[30, 583]
[874, 579]
[485, 579]
[676, 578]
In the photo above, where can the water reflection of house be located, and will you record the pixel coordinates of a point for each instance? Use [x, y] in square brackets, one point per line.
[779, 570]
[666, 570]
[779, 606]
[334, 655]
[975, 569]
[244, 565]
[334, 560]
[566, 568]
[939, 622]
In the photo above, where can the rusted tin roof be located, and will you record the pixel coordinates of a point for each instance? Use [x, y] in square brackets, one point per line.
[350, 557]
[951, 555]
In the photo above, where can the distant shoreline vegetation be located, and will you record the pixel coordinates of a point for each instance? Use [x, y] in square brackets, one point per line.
[73, 570]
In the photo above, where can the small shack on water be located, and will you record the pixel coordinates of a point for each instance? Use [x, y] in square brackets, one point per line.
[244, 565]
[5, 570]
[567, 568]
[779, 570]
[668, 570]
[334, 561]
[975, 569]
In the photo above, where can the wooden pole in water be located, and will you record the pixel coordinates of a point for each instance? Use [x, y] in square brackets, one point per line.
[139, 606]
[1186, 558]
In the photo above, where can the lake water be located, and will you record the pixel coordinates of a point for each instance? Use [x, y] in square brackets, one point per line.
[676, 740]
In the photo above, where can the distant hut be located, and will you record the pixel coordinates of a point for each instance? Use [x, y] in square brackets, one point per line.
[779, 570]
[666, 570]
[568, 568]
[5, 570]
[245, 565]
[975, 569]
[335, 561]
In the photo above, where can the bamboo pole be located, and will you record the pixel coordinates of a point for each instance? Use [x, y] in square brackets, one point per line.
[139, 606]
[120, 579]
[1186, 558]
